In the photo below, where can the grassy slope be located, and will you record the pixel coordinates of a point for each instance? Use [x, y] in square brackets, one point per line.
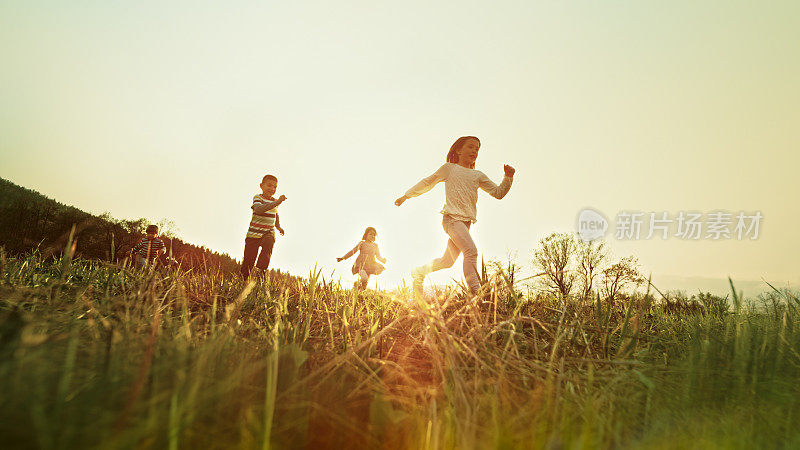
[96, 355]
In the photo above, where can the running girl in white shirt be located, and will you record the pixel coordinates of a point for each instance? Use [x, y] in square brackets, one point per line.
[461, 183]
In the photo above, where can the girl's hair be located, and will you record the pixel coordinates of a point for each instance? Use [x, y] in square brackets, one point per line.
[452, 155]
[366, 232]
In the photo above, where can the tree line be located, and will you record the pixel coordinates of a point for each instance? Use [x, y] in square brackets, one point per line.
[572, 267]
[29, 221]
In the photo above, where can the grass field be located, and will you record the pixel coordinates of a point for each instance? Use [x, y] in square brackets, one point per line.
[98, 355]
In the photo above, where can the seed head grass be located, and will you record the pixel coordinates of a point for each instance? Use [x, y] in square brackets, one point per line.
[94, 354]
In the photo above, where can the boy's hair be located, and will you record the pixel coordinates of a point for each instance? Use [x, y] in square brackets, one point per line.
[269, 177]
[452, 155]
[152, 229]
[366, 232]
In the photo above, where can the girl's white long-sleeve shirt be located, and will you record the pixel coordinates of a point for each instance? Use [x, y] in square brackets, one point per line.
[461, 189]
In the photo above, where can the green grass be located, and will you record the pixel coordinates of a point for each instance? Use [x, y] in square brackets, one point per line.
[97, 355]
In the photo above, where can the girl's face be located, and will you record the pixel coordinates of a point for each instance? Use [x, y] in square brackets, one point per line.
[468, 153]
[371, 236]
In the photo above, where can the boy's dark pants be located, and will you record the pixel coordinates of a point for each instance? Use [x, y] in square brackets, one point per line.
[251, 246]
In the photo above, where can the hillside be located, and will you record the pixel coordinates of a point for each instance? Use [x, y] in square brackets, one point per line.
[30, 221]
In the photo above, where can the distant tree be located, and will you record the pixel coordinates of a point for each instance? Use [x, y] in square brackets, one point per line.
[554, 258]
[591, 257]
[134, 226]
[620, 275]
[167, 228]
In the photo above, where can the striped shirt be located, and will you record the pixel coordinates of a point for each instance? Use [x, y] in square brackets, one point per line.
[264, 222]
[149, 248]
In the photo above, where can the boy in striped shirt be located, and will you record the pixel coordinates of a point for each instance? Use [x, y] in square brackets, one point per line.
[263, 224]
[149, 247]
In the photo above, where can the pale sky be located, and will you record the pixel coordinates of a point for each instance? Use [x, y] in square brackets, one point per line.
[177, 110]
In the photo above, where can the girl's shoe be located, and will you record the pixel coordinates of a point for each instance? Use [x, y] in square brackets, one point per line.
[418, 277]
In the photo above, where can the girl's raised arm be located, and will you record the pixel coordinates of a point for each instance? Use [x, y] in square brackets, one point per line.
[494, 190]
[351, 252]
[426, 184]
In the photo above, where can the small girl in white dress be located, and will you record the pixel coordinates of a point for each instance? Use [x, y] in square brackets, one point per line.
[366, 264]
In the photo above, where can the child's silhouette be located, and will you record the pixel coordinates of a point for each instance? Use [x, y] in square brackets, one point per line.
[366, 264]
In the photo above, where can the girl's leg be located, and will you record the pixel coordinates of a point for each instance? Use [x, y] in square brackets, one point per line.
[460, 241]
[364, 277]
[451, 253]
[450, 256]
[459, 234]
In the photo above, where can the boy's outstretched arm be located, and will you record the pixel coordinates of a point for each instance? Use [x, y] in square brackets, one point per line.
[494, 190]
[425, 185]
[264, 207]
[278, 223]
